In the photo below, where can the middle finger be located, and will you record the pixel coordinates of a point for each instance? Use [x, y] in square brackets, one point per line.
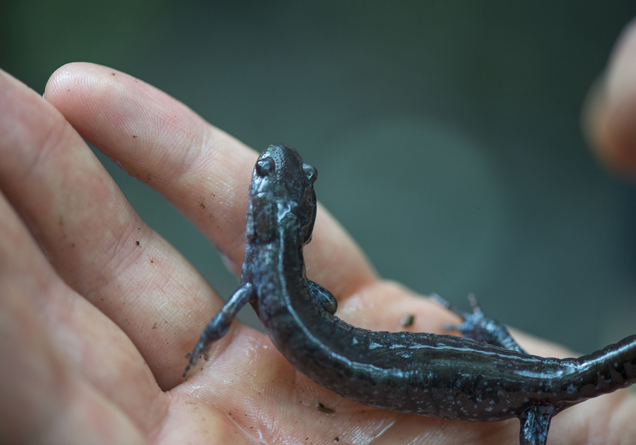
[92, 236]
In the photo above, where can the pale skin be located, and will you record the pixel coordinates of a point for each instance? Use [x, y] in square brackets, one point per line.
[97, 311]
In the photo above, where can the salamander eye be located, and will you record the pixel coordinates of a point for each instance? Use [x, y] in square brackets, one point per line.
[310, 172]
[265, 166]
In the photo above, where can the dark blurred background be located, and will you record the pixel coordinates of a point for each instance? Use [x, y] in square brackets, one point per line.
[446, 134]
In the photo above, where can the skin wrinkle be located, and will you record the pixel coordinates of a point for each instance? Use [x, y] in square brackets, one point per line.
[213, 158]
[59, 415]
[125, 254]
[219, 351]
[14, 132]
[73, 317]
[379, 434]
[100, 430]
[35, 155]
[413, 439]
[124, 251]
[147, 116]
[198, 164]
[249, 434]
[42, 366]
[192, 148]
[54, 140]
[18, 241]
[156, 416]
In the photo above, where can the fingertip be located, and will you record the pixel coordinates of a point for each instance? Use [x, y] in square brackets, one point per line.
[615, 139]
[78, 87]
[63, 78]
[609, 114]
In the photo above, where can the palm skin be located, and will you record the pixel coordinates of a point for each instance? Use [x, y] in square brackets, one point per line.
[97, 311]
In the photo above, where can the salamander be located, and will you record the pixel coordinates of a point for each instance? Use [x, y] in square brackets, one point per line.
[482, 376]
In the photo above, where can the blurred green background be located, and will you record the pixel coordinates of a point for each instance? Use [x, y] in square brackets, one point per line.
[446, 134]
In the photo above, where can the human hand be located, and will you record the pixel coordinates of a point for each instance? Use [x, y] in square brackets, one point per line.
[93, 340]
[610, 112]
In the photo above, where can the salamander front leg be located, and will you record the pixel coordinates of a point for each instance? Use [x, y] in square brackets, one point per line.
[220, 323]
[479, 327]
[323, 297]
[535, 423]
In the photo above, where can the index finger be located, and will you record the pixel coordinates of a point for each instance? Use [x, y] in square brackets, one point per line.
[201, 170]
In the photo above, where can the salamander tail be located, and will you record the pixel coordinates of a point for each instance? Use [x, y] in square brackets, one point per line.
[611, 368]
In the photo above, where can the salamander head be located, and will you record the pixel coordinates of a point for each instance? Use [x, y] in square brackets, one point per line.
[281, 197]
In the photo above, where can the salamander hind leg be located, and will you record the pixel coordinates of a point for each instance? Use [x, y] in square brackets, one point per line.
[535, 423]
[477, 326]
[220, 324]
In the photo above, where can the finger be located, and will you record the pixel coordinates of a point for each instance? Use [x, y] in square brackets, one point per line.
[610, 112]
[47, 388]
[201, 170]
[94, 239]
[333, 259]
[607, 419]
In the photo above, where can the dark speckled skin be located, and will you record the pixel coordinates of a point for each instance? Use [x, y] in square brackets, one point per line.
[444, 376]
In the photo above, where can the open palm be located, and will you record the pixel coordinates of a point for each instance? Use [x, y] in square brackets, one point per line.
[97, 311]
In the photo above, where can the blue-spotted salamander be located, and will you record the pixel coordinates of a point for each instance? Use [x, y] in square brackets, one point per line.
[483, 376]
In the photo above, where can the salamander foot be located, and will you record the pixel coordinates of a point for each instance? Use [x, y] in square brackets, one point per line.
[477, 326]
[535, 423]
